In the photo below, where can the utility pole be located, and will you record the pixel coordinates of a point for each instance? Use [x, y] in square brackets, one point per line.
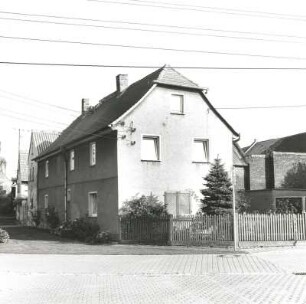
[234, 210]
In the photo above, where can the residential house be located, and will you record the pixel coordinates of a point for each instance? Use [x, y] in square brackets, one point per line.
[22, 187]
[157, 135]
[39, 142]
[269, 163]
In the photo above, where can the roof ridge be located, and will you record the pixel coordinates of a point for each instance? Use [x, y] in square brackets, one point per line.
[173, 69]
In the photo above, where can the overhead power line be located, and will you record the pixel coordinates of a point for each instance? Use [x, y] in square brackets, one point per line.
[197, 28]
[41, 103]
[53, 64]
[262, 107]
[143, 47]
[198, 8]
[149, 30]
[33, 117]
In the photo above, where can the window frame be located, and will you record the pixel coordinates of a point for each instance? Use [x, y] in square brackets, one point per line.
[90, 209]
[46, 199]
[47, 168]
[157, 147]
[91, 162]
[68, 198]
[182, 104]
[72, 160]
[197, 139]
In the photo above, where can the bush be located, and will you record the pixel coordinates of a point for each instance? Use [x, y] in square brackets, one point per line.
[144, 206]
[102, 237]
[4, 236]
[84, 230]
[52, 218]
[36, 217]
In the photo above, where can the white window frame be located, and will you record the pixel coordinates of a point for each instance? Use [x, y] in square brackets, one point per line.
[204, 161]
[90, 208]
[182, 104]
[47, 168]
[72, 160]
[92, 156]
[157, 147]
[46, 201]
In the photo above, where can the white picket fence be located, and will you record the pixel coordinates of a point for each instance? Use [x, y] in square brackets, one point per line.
[271, 227]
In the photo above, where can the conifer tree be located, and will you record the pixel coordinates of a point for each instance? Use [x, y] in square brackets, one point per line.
[217, 192]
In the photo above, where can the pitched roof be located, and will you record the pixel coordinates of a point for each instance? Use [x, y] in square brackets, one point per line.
[293, 143]
[42, 140]
[23, 165]
[238, 156]
[116, 104]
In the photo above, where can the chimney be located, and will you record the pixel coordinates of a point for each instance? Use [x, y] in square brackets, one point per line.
[85, 105]
[122, 82]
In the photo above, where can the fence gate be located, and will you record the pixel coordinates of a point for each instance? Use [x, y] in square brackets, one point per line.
[202, 230]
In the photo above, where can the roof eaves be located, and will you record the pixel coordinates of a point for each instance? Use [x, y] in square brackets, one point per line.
[162, 83]
[219, 115]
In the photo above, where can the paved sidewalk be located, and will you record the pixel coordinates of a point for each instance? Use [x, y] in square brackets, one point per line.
[31, 279]
[132, 264]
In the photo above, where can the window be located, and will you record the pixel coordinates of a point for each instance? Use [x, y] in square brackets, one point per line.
[68, 196]
[46, 202]
[178, 203]
[92, 153]
[46, 168]
[150, 148]
[92, 204]
[177, 104]
[200, 151]
[71, 160]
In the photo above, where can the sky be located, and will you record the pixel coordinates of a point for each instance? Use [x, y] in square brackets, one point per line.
[240, 34]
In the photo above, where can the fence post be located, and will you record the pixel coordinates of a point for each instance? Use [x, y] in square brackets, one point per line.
[170, 229]
[119, 227]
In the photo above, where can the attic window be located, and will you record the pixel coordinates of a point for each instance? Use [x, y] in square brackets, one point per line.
[177, 104]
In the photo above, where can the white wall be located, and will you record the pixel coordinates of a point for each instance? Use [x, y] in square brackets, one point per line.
[176, 171]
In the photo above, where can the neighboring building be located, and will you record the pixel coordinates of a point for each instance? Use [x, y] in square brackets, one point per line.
[39, 142]
[22, 188]
[157, 136]
[269, 162]
[5, 183]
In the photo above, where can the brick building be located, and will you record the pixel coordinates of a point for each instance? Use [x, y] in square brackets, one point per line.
[269, 163]
[157, 135]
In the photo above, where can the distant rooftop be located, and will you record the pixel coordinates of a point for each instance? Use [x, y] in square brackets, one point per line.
[293, 143]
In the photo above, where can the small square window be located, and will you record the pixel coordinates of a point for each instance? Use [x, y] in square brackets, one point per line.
[200, 151]
[92, 153]
[71, 160]
[92, 204]
[46, 168]
[150, 148]
[177, 104]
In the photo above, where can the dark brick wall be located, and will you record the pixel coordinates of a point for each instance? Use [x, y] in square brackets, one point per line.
[283, 162]
[240, 173]
[257, 172]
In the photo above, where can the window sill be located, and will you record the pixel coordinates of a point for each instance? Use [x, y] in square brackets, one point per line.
[150, 161]
[177, 113]
[93, 216]
[201, 162]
